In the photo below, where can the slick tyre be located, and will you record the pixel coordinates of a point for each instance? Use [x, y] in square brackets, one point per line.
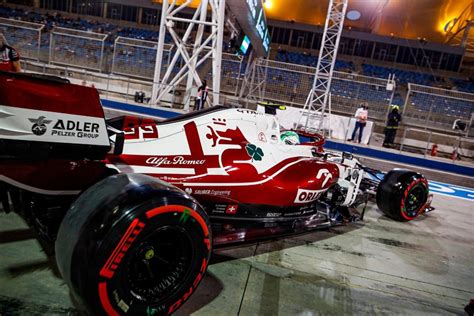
[132, 244]
[402, 194]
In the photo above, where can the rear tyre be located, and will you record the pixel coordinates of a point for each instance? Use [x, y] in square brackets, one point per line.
[132, 244]
[402, 194]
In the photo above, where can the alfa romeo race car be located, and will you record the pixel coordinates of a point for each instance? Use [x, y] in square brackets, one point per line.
[131, 207]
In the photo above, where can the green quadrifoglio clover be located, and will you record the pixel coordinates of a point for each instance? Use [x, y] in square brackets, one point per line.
[254, 152]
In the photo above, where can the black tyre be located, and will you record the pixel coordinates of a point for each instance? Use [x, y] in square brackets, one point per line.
[402, 194]
[132, 244]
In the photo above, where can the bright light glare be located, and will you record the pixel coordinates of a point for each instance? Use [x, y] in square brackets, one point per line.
[445, 25]
[353, 15]
[268, 4]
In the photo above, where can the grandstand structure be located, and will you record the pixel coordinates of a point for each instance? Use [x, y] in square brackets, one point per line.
[289, 83]
[194, 47]
[126, 55]
[435, 107]
[137, 57]
[26, 36]
[77, 48]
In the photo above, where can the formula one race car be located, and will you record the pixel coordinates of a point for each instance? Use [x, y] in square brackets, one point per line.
[132, 207]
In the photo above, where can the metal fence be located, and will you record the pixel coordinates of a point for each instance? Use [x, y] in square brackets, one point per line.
[290, 84]
[77, 48]
[122, 88]
[24, 36]
[232, 71]
[437, 108]
[428, 107]
[136, 57]
[453, 147]
[349, 90]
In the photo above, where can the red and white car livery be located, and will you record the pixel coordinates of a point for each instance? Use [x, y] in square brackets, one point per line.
[226, 157]
[231, 160]
[132, 207]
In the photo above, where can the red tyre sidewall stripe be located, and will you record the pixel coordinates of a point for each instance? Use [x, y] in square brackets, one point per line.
[405, 194]
[200, 220]
[104, 298]
[120, 248]
[108, 270]
[179, 208]
[195, 283]
[124, 244]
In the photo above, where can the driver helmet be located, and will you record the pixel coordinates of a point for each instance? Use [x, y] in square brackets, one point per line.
[290, 138]
[395, 107]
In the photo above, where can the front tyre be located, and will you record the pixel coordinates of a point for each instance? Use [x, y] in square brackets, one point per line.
[134, 245]
[402, 194]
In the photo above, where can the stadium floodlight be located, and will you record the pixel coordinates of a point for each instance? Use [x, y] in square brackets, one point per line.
[268, 4]
[353, 15]
[450, 24]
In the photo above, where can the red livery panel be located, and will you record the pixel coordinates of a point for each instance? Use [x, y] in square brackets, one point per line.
[18, 90]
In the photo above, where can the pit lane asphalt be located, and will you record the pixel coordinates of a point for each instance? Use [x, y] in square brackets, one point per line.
[423, 267]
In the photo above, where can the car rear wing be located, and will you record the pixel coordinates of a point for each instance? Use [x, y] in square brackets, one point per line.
[48, 117]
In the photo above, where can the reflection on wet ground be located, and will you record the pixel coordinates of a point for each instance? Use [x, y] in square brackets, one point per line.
[375, 267]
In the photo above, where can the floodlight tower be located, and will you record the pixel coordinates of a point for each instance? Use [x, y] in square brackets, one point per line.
[458, 29]
[194, 47]
[318, 98]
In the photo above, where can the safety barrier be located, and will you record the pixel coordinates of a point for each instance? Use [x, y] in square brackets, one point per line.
[136, 57]
[77, 48]
[438, 108]
[290, 84]
[429, 143]
[24, 36]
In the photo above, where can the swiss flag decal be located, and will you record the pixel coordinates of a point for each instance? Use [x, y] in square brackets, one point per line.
[231, 209]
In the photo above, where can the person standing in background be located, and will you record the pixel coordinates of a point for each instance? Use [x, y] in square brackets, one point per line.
[393, 121]
[361, 120]
[203, 92]
[9, 57]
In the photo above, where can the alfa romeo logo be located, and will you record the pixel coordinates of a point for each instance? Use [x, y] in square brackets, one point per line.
[39, 125]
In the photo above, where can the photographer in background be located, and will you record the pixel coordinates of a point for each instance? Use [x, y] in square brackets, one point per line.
[203, 92]
[9, 57]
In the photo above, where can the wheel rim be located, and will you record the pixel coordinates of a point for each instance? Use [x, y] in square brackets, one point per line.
[159, 264]
[414, 201]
